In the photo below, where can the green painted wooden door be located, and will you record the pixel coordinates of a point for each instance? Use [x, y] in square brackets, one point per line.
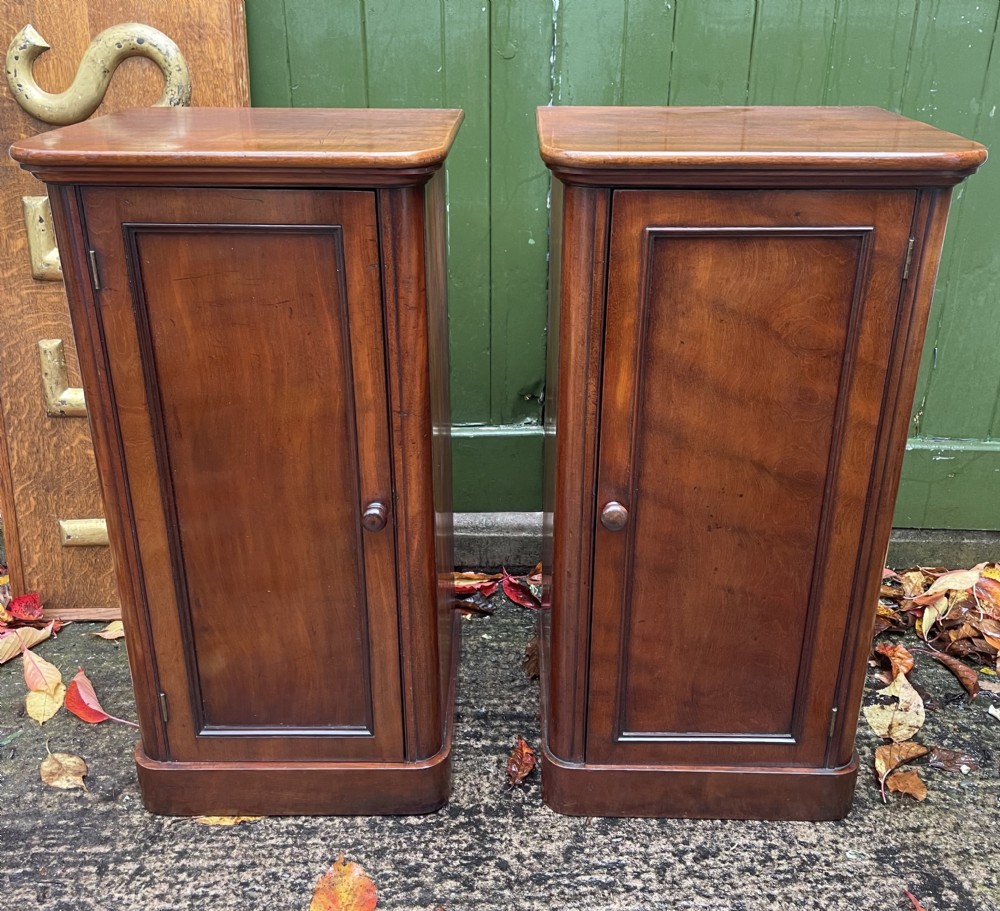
[498, 59]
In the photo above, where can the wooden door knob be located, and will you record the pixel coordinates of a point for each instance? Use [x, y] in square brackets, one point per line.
[374, 516]
[614, 516]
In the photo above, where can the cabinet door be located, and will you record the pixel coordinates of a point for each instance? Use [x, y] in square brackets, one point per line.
[243, 338]
[747, 344]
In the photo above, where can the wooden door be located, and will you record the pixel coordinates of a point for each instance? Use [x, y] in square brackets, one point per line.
[244, 343]
[746, 348]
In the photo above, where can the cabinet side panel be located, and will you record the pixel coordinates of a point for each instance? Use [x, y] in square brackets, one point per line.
[577, 303]
[929, 223]
[437, 341]
[404, 284]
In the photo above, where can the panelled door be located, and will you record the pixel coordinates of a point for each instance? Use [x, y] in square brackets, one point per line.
[747, 344]
[244, 342]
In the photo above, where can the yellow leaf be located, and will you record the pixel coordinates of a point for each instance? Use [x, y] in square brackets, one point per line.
[344, 887]
[114, 630]
[42, 704]
[907, 782]
[901, 719]
[40, 676]
[932, 613]
[15, 641]
[63, 770]
[225, 820]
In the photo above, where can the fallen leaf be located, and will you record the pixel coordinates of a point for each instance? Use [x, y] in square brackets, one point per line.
[891, 756]
[913, 901]
[960, 580]
[520, 763]
[914, 582]
[907, 782]
[63, 770]
[39, 674]
[14, 642]
[966, 675]
[937, 608]
[900, 659]
[900, 720]
[952, 760]
[26, 607]
[518, 592]
[114, 630]
[991, 686]
[43, 704]
[994, 711]
[529, 663]
[225, 820]
[465, 583]
[82, 701]
[344, 887]
[475, 603]
[8, 739]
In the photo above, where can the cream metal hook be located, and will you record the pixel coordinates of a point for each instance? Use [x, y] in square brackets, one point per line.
[100, 60]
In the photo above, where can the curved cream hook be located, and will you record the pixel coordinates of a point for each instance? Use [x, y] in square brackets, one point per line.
[100, 60]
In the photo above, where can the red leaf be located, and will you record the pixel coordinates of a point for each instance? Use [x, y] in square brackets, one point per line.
[466, 583]
[26, 607]
[518, 592]
[82, 701]
[520, 763]
[914, 901]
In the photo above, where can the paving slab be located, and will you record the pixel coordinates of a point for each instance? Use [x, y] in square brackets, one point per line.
[490, 848]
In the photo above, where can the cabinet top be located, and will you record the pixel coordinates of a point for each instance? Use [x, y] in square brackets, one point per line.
[590, 144]
[266, 141]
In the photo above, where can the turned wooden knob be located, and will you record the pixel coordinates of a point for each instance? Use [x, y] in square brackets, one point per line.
[374, 516]
[614, 516]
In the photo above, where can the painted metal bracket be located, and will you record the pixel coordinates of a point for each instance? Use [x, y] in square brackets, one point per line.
[61, 399]
[100, 60]
[45, 264]
[83, 532]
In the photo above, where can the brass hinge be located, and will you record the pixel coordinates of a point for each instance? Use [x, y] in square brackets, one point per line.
[833, 722]
[95, 277]
[909, 258]
[163, 708]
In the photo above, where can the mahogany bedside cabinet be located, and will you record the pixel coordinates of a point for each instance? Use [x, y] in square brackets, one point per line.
[258, 298]
[738, 300]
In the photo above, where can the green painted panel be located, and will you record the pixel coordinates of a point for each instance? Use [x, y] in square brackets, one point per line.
[590, 41]
[950, 484]
[326, 54]
[712, 47]
[950, 67]
[647, 53]
[498, 469]
[267, 48]
[521, 66]
[791, 49]
[871, 48]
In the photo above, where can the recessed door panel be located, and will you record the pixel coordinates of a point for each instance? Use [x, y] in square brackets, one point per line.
[741, 391]
[254, 337]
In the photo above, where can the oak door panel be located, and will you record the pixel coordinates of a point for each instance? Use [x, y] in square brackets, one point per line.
[746, 347]
[269, 602]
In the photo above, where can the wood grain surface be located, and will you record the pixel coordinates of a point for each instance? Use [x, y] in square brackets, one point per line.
[47, 464]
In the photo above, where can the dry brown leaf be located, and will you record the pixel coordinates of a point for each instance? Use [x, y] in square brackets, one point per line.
[966, 675]
[43, 704]
[959, 580]
[901, 719]
[991, 686]
[952, 760]
[891, 756]
[39, 674]
[63, 770]
[529, 663]
[15, 641]
[520, 763]
[344, 887]
[225, 820]
[914, 582]
[114, 630]
[899, 658]
[907, 782]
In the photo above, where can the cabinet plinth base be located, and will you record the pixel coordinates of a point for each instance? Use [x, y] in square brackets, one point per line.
[292, 788]
[697, 793]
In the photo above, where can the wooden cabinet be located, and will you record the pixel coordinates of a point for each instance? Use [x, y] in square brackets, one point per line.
[738, 301]
[258, 297]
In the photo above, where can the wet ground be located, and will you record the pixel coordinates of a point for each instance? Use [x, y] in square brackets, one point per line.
[490, 848]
